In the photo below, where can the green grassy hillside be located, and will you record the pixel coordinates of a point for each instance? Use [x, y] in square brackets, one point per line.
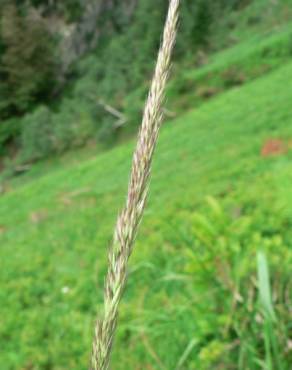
[55, 106]
[197, 297]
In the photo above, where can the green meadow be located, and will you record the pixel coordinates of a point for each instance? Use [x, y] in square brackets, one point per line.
[209, 285]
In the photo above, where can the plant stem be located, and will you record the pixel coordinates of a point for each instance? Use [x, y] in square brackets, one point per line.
[130, 217]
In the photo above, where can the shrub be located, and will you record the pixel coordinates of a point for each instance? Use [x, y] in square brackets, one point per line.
[9, 129]
[37, 139]
[45, 132]
[73, 126]
[222, 255]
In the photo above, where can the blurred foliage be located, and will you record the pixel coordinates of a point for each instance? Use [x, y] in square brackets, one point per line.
[213, 255]
[223, 255]
[37, 135]
[113, 72]
[27, 64]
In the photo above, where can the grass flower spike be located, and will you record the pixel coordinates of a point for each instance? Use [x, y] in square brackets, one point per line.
[130, 217]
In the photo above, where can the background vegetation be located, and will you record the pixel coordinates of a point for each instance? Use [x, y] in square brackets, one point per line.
[209, 286]
[47, 107]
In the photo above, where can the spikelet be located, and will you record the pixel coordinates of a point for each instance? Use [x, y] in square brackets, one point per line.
[130, 217]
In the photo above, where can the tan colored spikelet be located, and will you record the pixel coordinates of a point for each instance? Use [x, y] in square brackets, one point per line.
[130, 217]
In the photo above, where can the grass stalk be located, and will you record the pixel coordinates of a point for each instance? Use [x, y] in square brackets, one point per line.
[130, 217]
[265, 292]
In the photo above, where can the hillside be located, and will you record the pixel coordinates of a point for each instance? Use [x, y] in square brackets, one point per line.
[220, 192]
[65, 67]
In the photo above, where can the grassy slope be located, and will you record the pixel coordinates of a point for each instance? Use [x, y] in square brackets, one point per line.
[54, 233]
[233, 66]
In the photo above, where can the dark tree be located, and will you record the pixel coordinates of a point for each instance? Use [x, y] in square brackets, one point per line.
[28, 64]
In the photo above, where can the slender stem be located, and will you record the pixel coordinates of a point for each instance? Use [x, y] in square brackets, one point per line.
[130, 217]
